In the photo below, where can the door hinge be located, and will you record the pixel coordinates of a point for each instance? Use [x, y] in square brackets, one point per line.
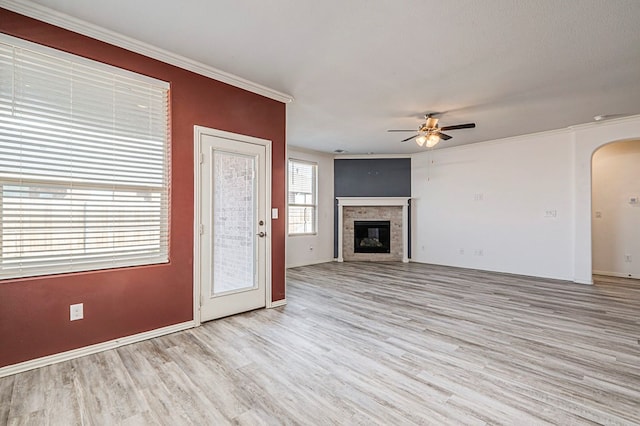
[201, 229]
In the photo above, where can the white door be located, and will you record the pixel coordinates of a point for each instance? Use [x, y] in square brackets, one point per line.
[233, 230]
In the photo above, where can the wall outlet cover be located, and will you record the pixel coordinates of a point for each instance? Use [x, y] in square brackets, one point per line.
[76, 312]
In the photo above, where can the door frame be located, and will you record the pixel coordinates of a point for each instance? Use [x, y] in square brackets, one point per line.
[197, 204]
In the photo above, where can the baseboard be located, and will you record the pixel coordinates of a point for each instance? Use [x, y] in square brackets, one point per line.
[615, 274]
[315, 262]
[278, 303]
[498, 271]
[88, 350]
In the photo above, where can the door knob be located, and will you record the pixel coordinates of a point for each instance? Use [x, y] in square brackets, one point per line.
[261, 234]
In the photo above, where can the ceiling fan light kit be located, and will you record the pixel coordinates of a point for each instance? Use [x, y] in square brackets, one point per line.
[432, 140]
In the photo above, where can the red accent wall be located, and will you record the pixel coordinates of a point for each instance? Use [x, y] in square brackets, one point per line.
[34, 312]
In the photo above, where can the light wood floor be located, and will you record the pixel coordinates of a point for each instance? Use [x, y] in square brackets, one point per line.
[367, 343]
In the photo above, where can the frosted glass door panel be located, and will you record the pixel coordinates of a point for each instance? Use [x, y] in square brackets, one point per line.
[234, 230]
[234, 234]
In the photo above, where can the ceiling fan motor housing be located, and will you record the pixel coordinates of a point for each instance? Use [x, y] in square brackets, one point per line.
[431, 123]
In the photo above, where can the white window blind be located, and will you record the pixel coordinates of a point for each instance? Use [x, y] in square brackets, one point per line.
[302, 197]
[84, 164]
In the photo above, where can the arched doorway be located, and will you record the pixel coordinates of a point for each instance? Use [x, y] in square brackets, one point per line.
[615, 215]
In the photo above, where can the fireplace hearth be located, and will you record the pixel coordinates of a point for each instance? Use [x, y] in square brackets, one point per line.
[372, 236]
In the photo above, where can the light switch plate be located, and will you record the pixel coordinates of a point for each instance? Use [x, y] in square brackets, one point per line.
[274, 213]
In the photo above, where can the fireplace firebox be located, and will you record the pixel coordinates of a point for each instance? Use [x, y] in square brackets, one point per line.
[372, 236]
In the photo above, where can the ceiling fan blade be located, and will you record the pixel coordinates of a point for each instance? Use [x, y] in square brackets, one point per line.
[408, 139]
[444, 137]
[396, 130]
[459, 126]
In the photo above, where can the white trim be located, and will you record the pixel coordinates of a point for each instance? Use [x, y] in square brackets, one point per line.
[92, 349]
[278, 303]
[315, 262]
[505, 272]
[268, 220]
[615, 274]
[315, 197]
[605, 122]
[77, 59]
[65, 21]
[373, 201]
[198, 131]
[197, 220]
[378, 202]
[361, 156]
[309, 150]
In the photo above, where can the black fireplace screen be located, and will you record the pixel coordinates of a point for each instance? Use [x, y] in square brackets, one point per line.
[372, 236]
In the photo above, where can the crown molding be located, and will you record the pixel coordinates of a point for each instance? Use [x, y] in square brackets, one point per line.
[606, 122]
[65, 21]
[368, 156]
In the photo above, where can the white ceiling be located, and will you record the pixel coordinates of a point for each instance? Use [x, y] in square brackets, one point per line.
[359, 67]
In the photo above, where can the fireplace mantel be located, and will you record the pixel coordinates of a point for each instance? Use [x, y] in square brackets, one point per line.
[375, 201]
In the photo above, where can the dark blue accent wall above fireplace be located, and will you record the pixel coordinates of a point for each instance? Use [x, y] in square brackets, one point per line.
[375, 177]
[369, 177]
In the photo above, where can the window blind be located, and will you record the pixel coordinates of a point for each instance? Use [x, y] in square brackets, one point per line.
[84, 164]
[302, 197]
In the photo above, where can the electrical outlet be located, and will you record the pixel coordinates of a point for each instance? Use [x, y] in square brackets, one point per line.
[627, 258]
[461, 251]
[76, 312]
[478, 252]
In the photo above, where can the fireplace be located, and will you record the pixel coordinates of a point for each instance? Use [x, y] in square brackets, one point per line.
[392, 210]
[372, 236]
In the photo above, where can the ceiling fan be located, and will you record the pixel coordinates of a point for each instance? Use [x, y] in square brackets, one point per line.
[429, 133]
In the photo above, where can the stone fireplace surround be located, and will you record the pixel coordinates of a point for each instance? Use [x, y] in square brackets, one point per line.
[374, 204]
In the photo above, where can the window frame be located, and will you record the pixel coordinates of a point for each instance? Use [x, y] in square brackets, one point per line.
[117, 257]
[314, 193]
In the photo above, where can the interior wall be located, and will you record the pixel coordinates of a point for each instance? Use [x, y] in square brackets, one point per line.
[34, 312]
[616, 209]
[501, 206]
[500, 197]
[317, 248]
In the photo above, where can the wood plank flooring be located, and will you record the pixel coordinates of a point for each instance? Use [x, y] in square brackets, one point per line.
[369, 343]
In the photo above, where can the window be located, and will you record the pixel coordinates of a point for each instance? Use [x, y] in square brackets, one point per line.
[84, 161]
[303, 200]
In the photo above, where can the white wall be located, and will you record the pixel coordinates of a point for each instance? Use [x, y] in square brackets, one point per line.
[616, 220]
[318, 248]
[494, 196]
[485, 206]
[587, 139]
